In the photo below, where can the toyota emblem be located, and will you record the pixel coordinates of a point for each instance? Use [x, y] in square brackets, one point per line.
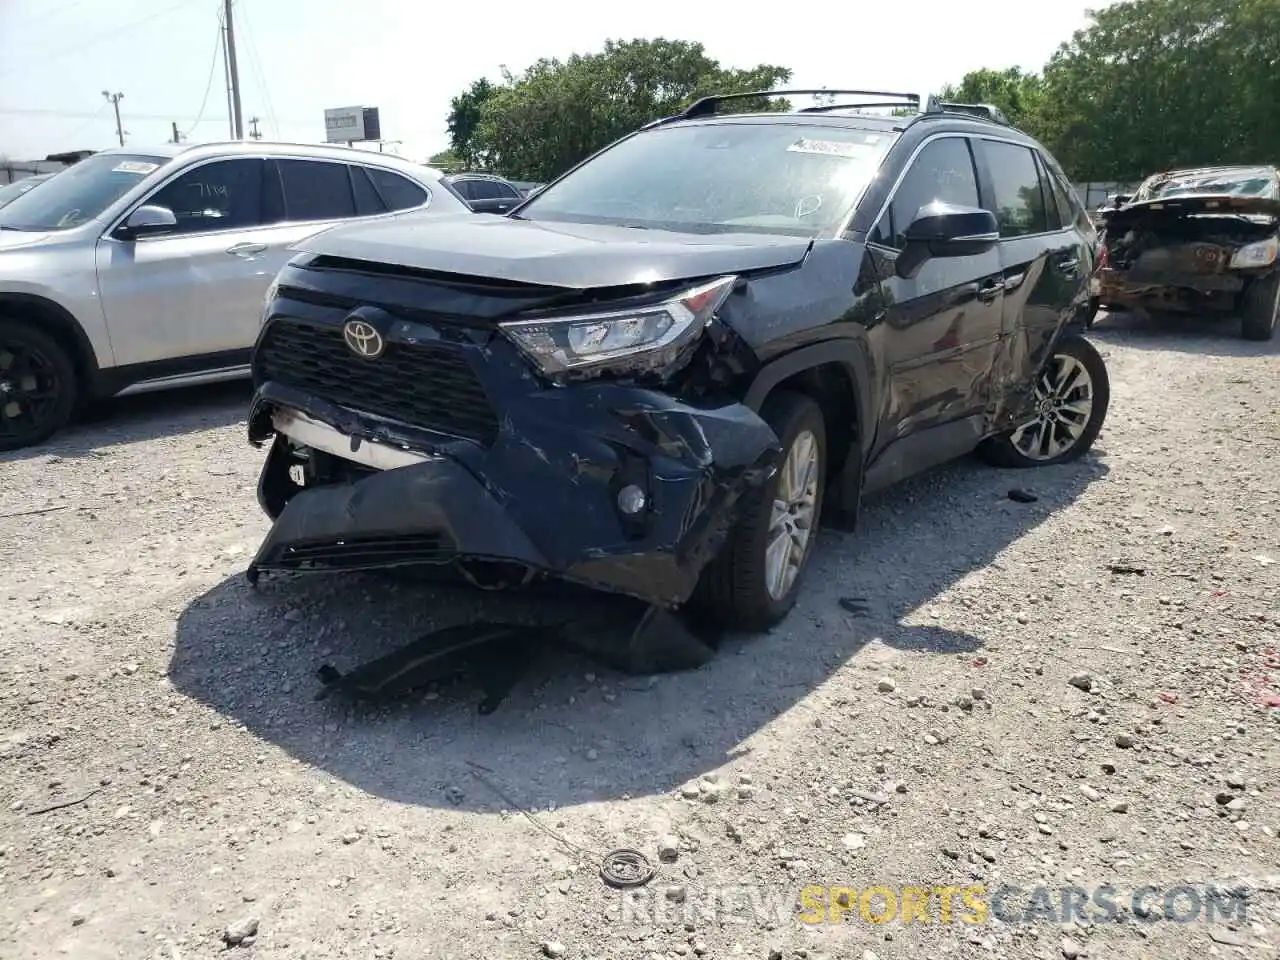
[363, 340]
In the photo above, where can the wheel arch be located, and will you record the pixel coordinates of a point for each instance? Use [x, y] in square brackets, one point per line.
[834, 373]
[57, 321]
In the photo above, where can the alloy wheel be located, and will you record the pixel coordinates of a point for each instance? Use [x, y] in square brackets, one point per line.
[791, 520]
[29, 390]
[1063, 401]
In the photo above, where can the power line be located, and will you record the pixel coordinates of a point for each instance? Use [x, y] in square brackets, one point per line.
[208, 86]
[86, 115]
[255, 63]
[55, 55]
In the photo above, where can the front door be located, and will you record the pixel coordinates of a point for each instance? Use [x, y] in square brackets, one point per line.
[941, 329]
[196, 291]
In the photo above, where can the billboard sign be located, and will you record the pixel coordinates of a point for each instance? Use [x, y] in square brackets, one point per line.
[351, 125]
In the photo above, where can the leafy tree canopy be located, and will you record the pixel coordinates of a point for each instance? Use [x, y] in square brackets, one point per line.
[464, 116]
[537, 125]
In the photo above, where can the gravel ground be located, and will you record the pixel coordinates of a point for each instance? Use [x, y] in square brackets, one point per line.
[1006, 707]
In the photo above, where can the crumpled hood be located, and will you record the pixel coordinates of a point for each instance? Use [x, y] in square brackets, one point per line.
[1190, 205]
[12, 239]
[568, 255]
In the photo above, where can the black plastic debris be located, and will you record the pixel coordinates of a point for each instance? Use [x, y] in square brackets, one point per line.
[1127, 567]
[855, 605]
[492, 655]
[1018, 495]
[660, 642]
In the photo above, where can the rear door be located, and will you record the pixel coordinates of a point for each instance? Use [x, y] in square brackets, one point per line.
[1044, 263]
[195, 291]
[942, 327]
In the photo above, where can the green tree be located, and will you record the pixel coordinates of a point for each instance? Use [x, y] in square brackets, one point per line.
[557, 113]
[445, 160]
[464, 116]
[1018, 94]
[1155, 84]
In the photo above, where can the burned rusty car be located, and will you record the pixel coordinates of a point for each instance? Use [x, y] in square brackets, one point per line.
[659, 374]
[1204, 240]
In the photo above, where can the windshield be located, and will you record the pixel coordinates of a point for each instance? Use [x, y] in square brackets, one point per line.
[1240, 183]
[13, 191]
[78, 193]
[748, 177]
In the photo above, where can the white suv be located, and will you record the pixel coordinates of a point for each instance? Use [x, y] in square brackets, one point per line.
[137, 270]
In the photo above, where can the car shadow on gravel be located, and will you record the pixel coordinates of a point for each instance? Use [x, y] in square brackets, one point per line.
[573, 731]
[1201, 335]
[144, 416]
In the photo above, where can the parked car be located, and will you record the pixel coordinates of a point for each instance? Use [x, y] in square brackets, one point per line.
[672, 364]
[1202, 241]
[12, 191]
[486, 193]
[139, 270]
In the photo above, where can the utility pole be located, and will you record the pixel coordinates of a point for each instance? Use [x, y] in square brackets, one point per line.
[255, 132]
[114, 99]
[237, 121]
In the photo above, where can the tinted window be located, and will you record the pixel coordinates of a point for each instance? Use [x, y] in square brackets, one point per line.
[1018, 203]
[465, 189]
[399, 193]
[942, 171]
[785, 178]
[316, 190]
[79, 193]
[506, 190]
[222, 195]
[368, 202]
[1061, 197]
[486, 190]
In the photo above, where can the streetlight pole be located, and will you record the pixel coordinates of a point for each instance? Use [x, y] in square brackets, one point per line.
[114, 99]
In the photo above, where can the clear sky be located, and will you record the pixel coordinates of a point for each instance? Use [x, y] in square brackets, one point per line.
[297, 57]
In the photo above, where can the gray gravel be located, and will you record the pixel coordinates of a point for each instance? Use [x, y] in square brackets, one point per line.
[1004, 709]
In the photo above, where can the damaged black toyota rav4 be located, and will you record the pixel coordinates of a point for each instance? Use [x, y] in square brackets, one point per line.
[656, 376]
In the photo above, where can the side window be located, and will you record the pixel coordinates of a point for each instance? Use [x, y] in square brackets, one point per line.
[399, 193]
[368, 202]
[464, 189]
[1052, 212]
[223, 195]
[1069, 206]
[507, 191]
[488, 190]
[316, 190]
[943, 170]
[1018, 202]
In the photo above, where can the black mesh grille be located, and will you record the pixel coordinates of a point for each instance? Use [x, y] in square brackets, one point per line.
[358, 553]
[424, 385]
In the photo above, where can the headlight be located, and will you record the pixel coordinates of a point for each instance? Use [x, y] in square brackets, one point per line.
[644, 338]
[1261, 254]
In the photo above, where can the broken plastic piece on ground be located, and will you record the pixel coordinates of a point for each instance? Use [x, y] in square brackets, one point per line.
[661, 642]
[1018, 495]
[855, 605]
[626, 868]
[1124, 566]
[495, 655]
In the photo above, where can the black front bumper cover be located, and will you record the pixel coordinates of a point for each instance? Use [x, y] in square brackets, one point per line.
[543, 496]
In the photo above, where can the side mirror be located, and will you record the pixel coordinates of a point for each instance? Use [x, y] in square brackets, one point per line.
[1122, 199]
[946, 230]
[147, 220]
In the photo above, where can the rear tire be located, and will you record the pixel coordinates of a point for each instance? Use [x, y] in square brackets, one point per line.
[1073, 392]
[740, 589]
[37, 386]
[1261, 308]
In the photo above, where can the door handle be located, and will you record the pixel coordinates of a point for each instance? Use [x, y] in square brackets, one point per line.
[989, 290]
[246, 249]
[1068, 264]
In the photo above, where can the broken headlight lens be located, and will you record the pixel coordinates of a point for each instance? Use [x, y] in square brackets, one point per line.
[644, 338]
[1261, 254]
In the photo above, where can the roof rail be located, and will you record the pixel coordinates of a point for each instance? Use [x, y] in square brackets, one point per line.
[706, 106]
[983, 111]
[826, 107]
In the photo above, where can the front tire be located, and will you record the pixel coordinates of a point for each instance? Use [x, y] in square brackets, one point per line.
[37, 386]
[1072, 393]
[1261, 309]
[755, 580]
